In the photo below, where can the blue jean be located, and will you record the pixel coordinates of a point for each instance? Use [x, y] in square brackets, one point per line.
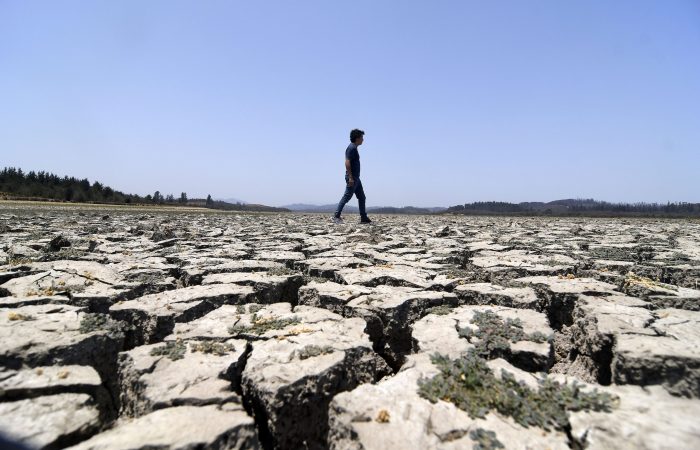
[357, 190]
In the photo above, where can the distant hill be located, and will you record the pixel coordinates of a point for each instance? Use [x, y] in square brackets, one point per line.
[305, 207]
[226, 206]
[404, 210]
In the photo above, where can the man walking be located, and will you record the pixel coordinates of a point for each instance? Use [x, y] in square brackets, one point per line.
[353, 185]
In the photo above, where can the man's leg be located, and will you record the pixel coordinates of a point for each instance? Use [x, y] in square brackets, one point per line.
[345, 198]
[360, 194]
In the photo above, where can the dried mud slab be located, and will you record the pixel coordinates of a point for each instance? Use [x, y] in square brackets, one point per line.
[392, 414]
[615, 338]
[388, 311]
[329, 266]
[493, 294]
[48, 380]
[331, 296]
[53, 406]
[512, 263]
[386, 275]
[560, 294]
[51, 421]
[182, 427]
[154, 316]
[194, 273]
[179, 373]
[669, 357]
[268, 287]
[642, 419]
[298, 364]
[503, 332]
[46, 335]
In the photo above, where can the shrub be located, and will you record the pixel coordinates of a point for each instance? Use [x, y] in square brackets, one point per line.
[493, 337]
[469, 384]
[174, 350]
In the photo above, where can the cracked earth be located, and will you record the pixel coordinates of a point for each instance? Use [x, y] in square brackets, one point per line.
[146, 329]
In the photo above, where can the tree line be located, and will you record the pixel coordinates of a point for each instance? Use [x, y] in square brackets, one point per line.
[579, 207]
[15, 184]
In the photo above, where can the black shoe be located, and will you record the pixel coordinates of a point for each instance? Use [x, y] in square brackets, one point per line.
[365, 220]
[336, 220]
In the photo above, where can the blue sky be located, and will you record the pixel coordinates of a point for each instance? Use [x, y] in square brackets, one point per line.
[461, 100]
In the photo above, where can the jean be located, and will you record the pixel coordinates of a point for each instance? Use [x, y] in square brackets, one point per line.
[356, 189]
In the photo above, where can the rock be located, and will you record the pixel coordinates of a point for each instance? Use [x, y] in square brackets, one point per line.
[245, 266]
[10, 274]
[597, 323]
[19, 252]
[492, 294]
[486, 245]
[327, 267]
[392, 414]
[448, 283]
[294, 371]
[670, 356]
[643, 419]
[85, 283]
[195, 272]
[564, 285]
[162, 234]
[268, 288]
[688, 299]
[683, 275]
[390, 312]
[167, 242]
[179, 373]
[560, 294]
[57, 243]
[42, 335]
[52, 421]
[19, 302]
[286, 257]
[48, 380]
[154, 316]
[385, 275]
[661, 294]
[329, 295]
[440, 334]
[518, 263]
[182, 427]
[216, 324]
[619, 267]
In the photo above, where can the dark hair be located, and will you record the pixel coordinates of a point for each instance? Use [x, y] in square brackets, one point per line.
[354, 134]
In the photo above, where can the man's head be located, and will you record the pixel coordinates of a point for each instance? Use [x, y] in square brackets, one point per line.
[357, 136]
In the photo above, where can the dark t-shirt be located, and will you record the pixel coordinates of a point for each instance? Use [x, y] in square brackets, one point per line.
[353, 156]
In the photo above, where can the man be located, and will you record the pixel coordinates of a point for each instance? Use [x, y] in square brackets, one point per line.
[353, 185]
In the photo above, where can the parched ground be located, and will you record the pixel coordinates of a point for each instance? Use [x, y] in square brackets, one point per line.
[141, 328]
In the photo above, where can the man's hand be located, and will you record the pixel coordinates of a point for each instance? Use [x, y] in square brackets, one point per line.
[348, 173]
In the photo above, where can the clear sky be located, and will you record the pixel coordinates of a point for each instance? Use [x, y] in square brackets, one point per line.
[461, 100]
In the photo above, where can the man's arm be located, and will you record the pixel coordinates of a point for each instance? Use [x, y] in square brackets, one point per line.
[348, 170]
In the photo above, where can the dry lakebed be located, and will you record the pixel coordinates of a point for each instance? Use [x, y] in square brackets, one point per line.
[140, 328]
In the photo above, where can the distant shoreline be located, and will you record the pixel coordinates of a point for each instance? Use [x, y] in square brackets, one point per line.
[9, 203]
[123, 206]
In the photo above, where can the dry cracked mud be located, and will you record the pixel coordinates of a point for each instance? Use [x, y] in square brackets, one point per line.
[138, 328]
